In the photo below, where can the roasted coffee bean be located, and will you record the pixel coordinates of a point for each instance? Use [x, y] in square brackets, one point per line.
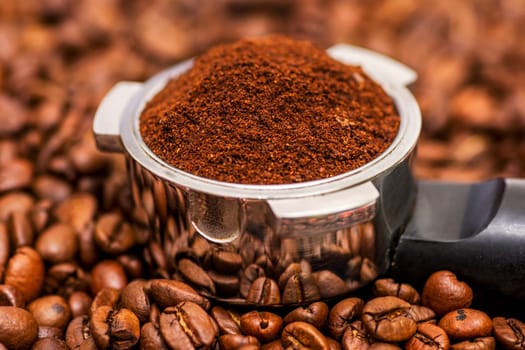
[51, 188]
[113, 235]
[485, 343]
[292, 269]
[170, 292]
[133, 265]
[228, 321]
[195, 275]
[108, 274]
[78, 332]
[466, 323]
[50, 311]
[301, 335]
[66, 278]
[387, 286]
[150, 337]
[273, 345]
[422, 314]
[315, 313]
[249, 275]
[355, 337]
[57, 244]
[226, 285]
[226, 261]
[20, 229]
[187, 326]
[134, 297]
[387, 319]
[301, 288]
[343, 314]
[428, 337]
[11, 296]
[265, 326]
[77, 211]
[106, 297]
[443, 292]
[120, 329]
[330, 285]
[333, 344]
[25, 270]
[18, 175]
[510, 332]
[50, 344]
[236, 341]
[18, 328]
[264, 291]
[79, 303]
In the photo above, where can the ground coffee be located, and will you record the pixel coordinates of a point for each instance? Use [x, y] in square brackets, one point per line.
[269, 111]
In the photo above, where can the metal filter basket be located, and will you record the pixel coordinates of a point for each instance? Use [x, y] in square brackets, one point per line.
[312, 240]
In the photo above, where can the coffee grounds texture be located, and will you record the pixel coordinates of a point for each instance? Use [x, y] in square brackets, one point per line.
[269, 110]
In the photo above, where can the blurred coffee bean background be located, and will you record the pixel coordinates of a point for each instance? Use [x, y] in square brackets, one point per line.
[59, 57]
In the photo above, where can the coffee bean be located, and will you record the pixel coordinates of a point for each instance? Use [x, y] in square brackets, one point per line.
[150, 337]
[387, 286]
[134, 297]
[106, 297]
[108, 274]
[78, 334]
[333, 344]
[50, 344]
[236, 341]
[387, 319]
[77, 211]
[315, 313]
[265, 326]
[466, 323]
[113, 235]
[226, 285]
[187, 326]
[510, 332]
[20, 229]
[57, 244]
[428, 337]
[355, 337]
[292, 269]
[422, 314]
[330, 285]
[300, 335]
[195, 275]
[120, 329]
[443, 292]
[228, 321]
[264, 291]
[170, 292]
[25, 271]
[249, 275]
[485, 343]
[17, 175]
[273, 345]
[11, 296]
[79, 303]
[343, 314]
[50, 311]
[65, 278]
[301, 288]
[51, 188]
[18, 328]
[226, 261]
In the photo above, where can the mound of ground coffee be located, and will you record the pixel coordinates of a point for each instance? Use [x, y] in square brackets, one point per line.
[269, 110]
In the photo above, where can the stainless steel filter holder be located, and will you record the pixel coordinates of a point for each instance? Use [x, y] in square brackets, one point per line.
[343, 224]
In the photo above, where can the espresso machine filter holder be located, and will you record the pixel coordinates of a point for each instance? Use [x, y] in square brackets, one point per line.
[357, 225]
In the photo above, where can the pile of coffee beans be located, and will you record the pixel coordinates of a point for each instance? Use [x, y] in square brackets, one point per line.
[169, 314]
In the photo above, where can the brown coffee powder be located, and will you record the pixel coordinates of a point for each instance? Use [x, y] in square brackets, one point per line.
[269, 111]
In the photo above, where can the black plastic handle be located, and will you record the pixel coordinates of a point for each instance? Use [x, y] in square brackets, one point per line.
[476, 230]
